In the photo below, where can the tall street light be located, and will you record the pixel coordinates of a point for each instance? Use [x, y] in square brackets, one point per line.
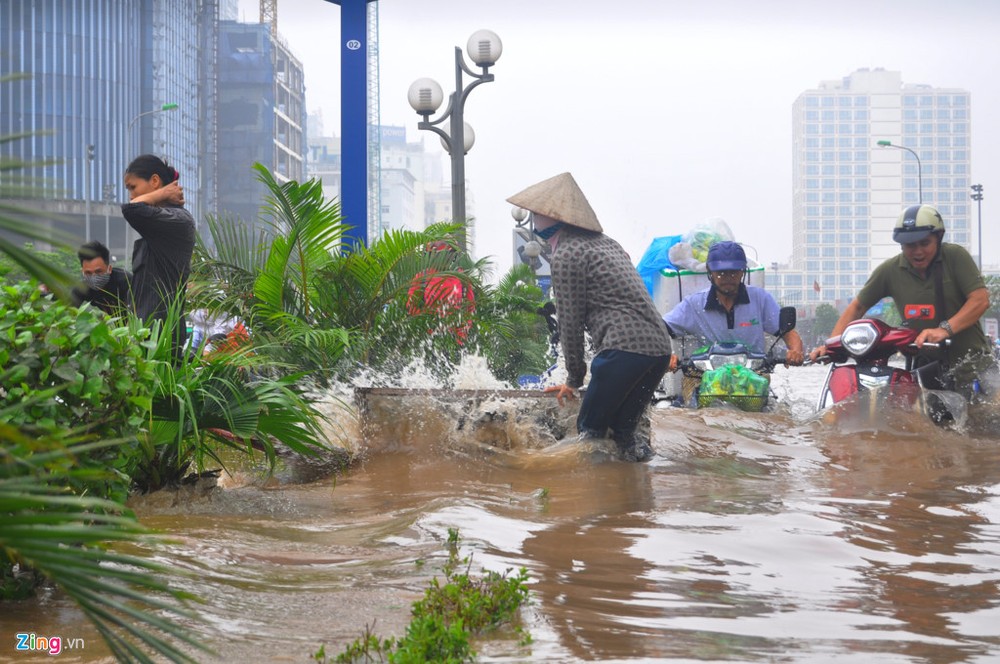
[920, 177]
[977, 196]
[425, 96]
[109, 196]
[130, 155]
[161, 109]
[88, 166]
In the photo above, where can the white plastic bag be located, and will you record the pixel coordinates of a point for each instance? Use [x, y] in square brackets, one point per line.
[704, 235]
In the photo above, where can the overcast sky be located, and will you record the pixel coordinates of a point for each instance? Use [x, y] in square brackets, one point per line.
[667, 112]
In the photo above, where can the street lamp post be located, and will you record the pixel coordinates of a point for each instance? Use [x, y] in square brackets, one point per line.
[164, 107]
[109, 196]
[87, 166]
[977, 196]
[920, 177]
[130, 156]
[425, 96]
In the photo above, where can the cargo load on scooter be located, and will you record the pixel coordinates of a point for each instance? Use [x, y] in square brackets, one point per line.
[735, 384]
[674, 266]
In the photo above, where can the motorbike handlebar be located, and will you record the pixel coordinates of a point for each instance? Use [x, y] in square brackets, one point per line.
[825, 358]
[934, 344]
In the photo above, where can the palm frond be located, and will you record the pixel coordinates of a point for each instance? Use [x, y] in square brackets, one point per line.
[309, 234]
[124, 595]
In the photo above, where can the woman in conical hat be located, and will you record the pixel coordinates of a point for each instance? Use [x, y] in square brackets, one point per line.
[598, 291]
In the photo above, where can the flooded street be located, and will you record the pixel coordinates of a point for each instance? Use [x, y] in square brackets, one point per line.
[749, 537]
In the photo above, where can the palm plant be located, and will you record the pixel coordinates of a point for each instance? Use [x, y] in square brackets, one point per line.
[270, 279]
[513, 336]
[369, 290]
[309, 305]
[314, 307]
[65, 537]
[229, 398]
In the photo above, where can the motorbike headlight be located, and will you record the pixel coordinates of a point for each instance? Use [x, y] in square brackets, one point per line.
[858, 339]
[723, 360]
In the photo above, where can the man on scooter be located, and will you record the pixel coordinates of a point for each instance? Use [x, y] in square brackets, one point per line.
[730, 310]
[938, 290]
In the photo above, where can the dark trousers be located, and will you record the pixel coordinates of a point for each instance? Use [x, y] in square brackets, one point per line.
[621, 387]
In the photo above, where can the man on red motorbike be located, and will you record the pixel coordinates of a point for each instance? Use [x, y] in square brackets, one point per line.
[938, 290]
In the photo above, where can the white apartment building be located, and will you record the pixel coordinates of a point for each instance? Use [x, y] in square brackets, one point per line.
[847, 190]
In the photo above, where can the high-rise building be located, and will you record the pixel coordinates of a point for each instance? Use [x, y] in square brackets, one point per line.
[847, 190]
[261, 116]
[97, 82]
[96, 73]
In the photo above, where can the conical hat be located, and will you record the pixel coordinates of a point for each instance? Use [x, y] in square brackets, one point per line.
[559, 197]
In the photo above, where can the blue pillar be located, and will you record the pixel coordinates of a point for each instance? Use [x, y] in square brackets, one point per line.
[354, 118]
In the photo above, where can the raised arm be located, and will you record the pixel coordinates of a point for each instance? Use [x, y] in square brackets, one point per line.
[172, 194]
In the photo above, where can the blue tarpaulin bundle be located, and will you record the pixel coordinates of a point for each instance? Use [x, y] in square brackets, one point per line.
[656, 259]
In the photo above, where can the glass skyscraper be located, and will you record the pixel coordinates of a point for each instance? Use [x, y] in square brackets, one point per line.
[96, 73]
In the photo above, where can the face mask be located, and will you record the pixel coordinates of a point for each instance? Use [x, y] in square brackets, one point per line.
[547, 233]
[99, 280]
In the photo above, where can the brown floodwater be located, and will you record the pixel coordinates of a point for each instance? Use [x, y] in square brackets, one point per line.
[749, 537]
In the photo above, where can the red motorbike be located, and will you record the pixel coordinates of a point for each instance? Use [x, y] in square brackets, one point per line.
[859, 364]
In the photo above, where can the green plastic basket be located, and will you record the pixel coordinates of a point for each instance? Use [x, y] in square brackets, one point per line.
[751, 403]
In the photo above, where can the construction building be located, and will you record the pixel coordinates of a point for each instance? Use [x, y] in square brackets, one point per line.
[260, 118]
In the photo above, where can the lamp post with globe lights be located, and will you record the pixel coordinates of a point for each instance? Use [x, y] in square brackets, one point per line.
[425, 96]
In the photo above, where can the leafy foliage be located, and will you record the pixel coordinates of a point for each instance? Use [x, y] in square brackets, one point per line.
[46, 346]
[513, 336]
[993, 287]
[69, 370]
[372, 292]
[315, 309]
[49, 531]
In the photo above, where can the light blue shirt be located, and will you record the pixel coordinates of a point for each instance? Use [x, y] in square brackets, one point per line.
[700, 315]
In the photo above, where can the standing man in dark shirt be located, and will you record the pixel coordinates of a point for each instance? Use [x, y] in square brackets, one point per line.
[107, 288]
[161, 258]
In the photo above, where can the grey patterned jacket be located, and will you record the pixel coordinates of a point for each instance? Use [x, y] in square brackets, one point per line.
[597, 289]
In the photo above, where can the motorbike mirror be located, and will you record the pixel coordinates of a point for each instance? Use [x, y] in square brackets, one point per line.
[786, 323]
[786, 320]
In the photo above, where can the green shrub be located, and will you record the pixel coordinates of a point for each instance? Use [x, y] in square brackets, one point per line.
[447, 617]
[64, 369]
[70, 368]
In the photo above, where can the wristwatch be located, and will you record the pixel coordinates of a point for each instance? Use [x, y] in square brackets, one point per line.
[946, 326]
